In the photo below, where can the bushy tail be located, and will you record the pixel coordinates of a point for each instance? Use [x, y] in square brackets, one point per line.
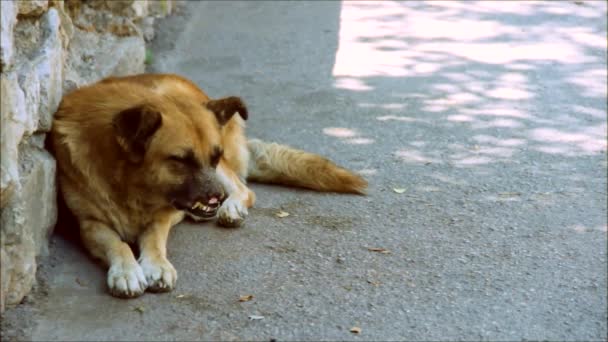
[280, 164]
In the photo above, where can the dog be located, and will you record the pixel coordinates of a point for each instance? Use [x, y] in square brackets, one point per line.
[137, 154]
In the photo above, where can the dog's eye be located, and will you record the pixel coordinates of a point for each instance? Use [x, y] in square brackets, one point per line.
[176, 158]
[216, 155]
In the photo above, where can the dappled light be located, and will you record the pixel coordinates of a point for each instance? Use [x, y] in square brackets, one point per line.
[339, 132]
[474, 69]
[347, 135]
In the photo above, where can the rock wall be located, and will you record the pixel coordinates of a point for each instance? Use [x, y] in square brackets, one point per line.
[48, 48]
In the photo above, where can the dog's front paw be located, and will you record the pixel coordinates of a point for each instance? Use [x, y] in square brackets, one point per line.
[160, 274]
[232, 213]
[126, 280]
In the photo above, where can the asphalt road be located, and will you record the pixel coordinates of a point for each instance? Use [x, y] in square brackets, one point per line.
[491, 117]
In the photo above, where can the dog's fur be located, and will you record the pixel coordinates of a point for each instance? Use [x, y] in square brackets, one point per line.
[135, 153]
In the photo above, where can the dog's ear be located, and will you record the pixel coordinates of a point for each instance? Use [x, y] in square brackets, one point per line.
[225, 108]
[134, 129]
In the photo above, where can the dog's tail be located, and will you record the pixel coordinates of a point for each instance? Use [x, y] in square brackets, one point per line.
[280, 164]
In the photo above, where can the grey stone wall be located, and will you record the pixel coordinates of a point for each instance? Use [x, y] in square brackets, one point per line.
[48, 48]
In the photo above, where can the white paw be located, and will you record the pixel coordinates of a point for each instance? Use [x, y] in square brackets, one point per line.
[160, 274]
[126, 280]
[232, 213]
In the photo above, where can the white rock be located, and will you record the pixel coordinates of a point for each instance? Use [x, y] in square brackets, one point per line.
[49, 68]
[140, 8]
[27, 221]
[14, 125]
[38, 192]
[8, 19]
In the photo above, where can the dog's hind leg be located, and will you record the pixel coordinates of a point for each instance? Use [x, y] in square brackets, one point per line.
[125, 277]
[233, 211]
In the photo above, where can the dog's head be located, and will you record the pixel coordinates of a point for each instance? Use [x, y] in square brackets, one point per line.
[173, 148]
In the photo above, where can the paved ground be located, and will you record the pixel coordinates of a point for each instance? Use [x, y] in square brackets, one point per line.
[491, 116]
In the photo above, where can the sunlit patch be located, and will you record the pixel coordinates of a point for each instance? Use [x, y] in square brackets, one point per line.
[448, 88]
[507, 93]
[360, 141]
[497, 88]
[462, 98]
[513, 77]
[458, 77]
[434, 108]
[487, 139]
[592, 81]
[503, 53]
[425, 68]
[350, 83]
[579, 228]
[592, 142]
[460, 118]
[557, 10]
[429, 188]
[367, 172]
[497, 123]
[414, 157]
[519, 66]
[393, 106]
[339, 132]
[417, 143]
[473, 160]
[594, 112]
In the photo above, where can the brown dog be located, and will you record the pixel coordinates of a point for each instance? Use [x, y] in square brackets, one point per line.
[136, 153]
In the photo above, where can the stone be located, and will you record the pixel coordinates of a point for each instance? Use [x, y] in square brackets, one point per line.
[14, 125]
[18, 266]
[27, 221]
[32, 7]
[87, 62]
[126, 8]
[30, 97]
[49, 74]
[8, 19]
[161, 8]
[38, 191]
[147, 28]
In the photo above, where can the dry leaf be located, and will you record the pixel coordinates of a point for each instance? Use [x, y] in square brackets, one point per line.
[355, 330]
[245, 298]
[282, 214]
[399, 190]
[255, 317]
[379, 250]
[139, 309]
